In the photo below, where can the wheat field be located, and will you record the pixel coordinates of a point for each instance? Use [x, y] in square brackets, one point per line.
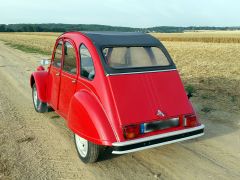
[201, 36]
[208, 61]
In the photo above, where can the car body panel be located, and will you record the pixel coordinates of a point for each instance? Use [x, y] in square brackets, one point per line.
[67, 90]
[95, 127]
[68, 84]
[139, 96]
[54, 80]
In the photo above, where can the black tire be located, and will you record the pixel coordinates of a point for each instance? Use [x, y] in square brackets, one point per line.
[92, 153]
[39, 106]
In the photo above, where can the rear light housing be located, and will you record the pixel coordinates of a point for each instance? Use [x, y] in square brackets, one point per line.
[191, 121]
[131, 131]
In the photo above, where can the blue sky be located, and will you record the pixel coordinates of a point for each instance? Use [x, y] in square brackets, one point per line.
[133, 13]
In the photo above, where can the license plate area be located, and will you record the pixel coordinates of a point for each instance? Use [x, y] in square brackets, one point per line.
[159, 125]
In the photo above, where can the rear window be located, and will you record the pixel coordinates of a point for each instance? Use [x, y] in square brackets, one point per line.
[134, 57]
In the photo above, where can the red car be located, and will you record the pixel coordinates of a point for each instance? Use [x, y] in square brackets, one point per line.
[117, 90]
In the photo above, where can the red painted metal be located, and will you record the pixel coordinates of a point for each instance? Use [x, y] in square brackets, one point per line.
[40, 68]
[148, 93]
[40, 78]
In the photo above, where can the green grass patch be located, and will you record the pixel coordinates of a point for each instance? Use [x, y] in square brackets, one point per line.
[27, 49]
[190, 89]
[207, 109]
[204, 96]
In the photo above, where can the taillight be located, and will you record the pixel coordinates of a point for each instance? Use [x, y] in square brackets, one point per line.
[131, 131]
[191, 121]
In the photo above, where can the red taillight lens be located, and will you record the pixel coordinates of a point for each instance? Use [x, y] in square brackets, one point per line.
[191, 121]
[131, 131]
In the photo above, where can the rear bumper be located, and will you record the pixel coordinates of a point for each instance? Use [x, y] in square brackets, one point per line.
[157, 140]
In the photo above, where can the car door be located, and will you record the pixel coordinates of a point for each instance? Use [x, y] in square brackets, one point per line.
[68, 77]
[55, 75]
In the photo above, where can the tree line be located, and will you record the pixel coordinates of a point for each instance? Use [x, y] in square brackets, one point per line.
[96, 27]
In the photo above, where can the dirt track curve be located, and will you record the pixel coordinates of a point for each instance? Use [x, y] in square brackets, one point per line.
[39, 146]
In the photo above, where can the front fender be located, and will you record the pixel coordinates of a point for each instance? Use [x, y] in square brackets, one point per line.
[87, 119]
[40, 79]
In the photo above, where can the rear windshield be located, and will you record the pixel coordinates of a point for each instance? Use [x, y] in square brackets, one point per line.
[134, 57]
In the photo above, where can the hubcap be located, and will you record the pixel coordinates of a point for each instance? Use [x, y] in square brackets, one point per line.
[82, 145]
[35, 97]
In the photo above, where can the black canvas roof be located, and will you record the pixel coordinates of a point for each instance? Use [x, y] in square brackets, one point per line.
[122, 39]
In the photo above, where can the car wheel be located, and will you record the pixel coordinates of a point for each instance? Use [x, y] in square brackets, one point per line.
[87, 151]
[39, 106]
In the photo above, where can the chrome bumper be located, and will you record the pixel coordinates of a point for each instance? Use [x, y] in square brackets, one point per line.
[157, 140]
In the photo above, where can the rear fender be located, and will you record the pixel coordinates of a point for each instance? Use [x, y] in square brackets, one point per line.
[40, 79]
[87, 119]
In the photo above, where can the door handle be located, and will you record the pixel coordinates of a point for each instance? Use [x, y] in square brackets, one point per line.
[74, 81]
[57, 74]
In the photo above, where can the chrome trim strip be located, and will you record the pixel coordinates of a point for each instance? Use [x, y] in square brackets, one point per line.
[157, 145]
[135, 141]
[142, 72]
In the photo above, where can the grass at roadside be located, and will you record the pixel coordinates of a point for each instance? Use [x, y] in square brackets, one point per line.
[41, 43]
[26, 48]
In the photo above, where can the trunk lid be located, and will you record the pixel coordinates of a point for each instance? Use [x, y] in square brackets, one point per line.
[140, 97]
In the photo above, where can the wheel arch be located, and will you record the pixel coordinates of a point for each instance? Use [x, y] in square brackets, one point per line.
[40, 79]
[87, 119]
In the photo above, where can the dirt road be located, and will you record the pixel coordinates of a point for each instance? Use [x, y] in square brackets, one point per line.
[39, 146]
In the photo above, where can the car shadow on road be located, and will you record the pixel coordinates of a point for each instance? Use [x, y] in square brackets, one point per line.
[106, 154]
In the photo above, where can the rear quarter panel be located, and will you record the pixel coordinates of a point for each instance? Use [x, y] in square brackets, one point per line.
[88, 119]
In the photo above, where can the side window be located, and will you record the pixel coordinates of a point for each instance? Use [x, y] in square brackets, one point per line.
[69, 62]
[58, 55]
[87, 67]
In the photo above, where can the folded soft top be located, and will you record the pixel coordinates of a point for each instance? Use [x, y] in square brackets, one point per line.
[122, 38]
